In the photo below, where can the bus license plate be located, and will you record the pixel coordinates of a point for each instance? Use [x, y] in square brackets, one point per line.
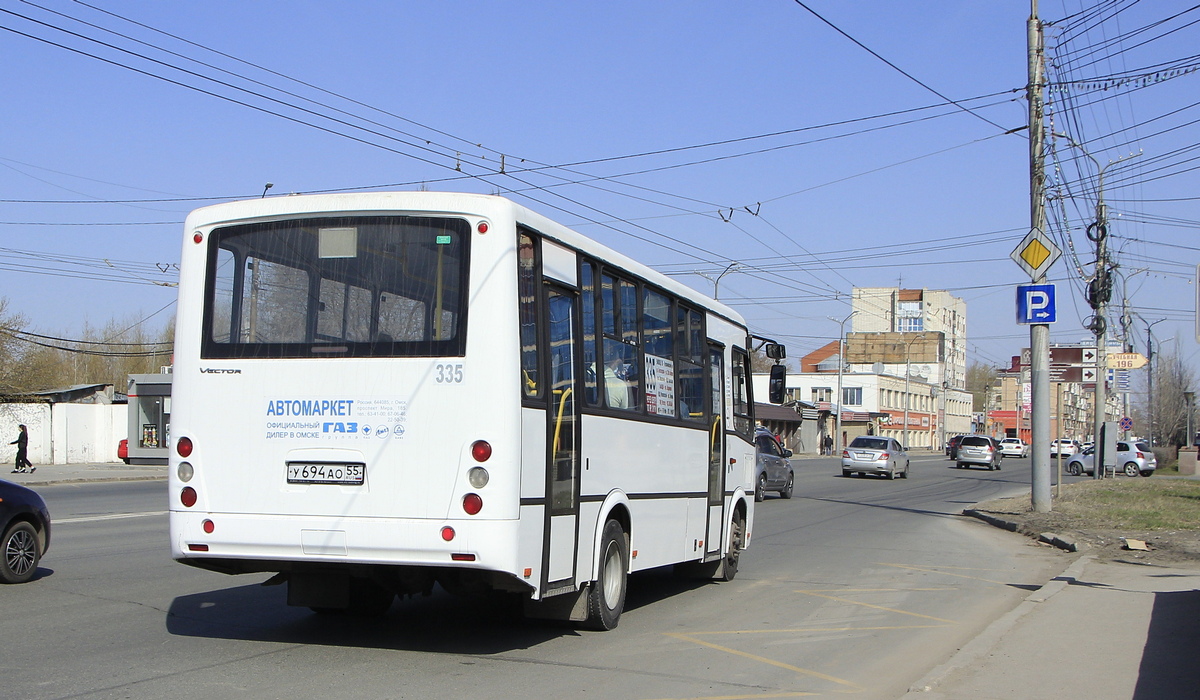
[326, 473]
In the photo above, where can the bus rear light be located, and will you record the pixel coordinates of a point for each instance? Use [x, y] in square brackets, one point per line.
[188, 496]
[197, 237]
[462, 557]
[478, 477]
[447, 533]
[481, 450]
[197, 548]
[482, 227]
[208, 526]
[185, 472]
[184, 447]
[472, 503]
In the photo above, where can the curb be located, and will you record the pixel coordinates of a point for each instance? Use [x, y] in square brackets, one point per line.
[92, 480]
[1050, 538]
[973, 651]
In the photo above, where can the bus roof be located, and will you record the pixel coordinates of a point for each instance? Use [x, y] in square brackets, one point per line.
[446, 203]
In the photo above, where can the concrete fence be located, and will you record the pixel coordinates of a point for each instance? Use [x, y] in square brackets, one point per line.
[64, 433]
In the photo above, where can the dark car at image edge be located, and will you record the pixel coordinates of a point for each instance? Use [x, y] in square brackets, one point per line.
[24, 532]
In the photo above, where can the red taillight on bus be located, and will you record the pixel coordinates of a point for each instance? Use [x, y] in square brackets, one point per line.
[208, 526]
[481, 450]
[187, 496]
[482, 227]
[447, 533]
[197, 237]
[472, 503]
[184, 447]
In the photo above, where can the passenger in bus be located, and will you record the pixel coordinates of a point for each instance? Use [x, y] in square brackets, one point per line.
[617, 389]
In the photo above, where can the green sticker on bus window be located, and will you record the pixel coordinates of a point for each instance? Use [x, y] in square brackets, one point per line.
[443, 240]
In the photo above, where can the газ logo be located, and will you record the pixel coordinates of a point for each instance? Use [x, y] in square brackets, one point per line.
[209, 370]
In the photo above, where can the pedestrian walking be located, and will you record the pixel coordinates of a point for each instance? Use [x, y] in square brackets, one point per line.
[22, 442]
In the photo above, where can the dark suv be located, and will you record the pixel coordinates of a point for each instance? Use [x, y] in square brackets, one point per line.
[952, 446]
[774, 469]
[978, 449]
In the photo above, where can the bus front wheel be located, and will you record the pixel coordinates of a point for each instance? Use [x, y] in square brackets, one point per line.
[606, 596]
[737, 540]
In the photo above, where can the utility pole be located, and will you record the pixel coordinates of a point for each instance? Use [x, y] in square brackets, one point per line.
[837, 438]
[1099, 293]
[1150, 378]
[1039, 333]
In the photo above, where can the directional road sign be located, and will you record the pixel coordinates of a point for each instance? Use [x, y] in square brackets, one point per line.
[1126, 360]
[1035, 303]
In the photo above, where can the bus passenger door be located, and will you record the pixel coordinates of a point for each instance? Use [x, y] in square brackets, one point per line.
[562, 478]
[717, 466]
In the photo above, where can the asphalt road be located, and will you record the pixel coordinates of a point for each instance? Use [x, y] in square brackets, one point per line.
[856, 585]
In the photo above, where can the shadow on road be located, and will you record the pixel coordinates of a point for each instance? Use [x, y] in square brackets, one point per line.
[1169, 668]
[439, 623]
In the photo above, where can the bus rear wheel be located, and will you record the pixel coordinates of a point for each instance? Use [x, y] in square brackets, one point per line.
[737, 540]
[606, 595]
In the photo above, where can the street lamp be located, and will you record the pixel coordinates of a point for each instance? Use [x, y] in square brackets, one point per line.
[907, 378]
[841, 367]
[717, 282]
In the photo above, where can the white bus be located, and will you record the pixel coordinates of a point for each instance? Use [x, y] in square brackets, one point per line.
[374, 393]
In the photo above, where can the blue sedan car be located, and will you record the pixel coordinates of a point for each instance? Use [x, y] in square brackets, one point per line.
[24, 532]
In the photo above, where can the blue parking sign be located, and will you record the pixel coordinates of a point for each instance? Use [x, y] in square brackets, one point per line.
[1035, 303]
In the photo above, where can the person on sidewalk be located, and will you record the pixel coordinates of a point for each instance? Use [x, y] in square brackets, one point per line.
[22, 442]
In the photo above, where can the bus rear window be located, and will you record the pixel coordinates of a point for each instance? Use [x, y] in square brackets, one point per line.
[374, 286]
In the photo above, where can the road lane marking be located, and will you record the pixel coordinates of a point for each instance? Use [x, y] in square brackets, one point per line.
[877, 607]
[111, 516]
[786, 630]
[947, 573]
[772, 662]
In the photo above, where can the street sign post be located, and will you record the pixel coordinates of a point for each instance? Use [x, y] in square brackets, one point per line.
[1035, 303]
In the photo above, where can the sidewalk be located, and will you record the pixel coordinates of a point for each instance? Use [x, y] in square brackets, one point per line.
[1100, 631]
[47, 474]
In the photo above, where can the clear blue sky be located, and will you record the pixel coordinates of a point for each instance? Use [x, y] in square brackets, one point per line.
[932, 196]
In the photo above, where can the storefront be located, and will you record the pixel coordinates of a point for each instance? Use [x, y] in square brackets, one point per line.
[149, 418]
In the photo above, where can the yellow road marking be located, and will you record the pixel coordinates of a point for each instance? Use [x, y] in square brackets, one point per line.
[880, 628]
[772, 662]
[877, 607]
[750, 697]
[949, 573]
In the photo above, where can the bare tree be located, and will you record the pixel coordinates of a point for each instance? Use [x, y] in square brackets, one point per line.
[979, 378]
[1168, 406]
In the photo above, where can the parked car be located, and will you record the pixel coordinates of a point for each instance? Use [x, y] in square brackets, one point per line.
[25, 524]
[870, 454]
[1063, 446]
[952, 446]
[1014, 447]
[774, 470]
[1133, 458]
[123, 451]
[979, 449]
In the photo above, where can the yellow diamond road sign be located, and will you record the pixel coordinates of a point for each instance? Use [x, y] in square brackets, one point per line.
[1036, 253]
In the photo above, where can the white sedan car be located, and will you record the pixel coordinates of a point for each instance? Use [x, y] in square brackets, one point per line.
[1014, 447]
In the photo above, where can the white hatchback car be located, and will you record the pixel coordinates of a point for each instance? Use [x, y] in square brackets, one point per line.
[1014, 447]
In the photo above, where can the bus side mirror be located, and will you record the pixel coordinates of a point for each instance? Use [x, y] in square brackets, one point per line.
[775, 387]
[775, 351]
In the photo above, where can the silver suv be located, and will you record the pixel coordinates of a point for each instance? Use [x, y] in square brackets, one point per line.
[979, 449]
[1133, 458]
[774, 470]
